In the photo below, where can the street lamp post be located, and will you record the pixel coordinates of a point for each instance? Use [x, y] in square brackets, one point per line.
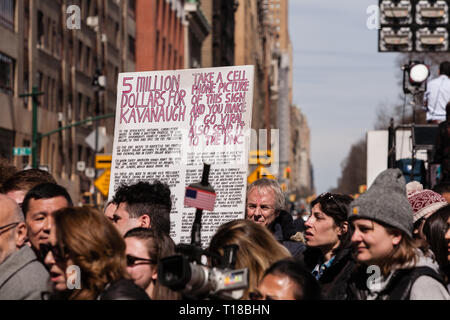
[35, 135]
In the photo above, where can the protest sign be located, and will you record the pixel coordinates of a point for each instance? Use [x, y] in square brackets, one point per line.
[168, 123]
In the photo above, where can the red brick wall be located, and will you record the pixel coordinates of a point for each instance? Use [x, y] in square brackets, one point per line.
[153, 17]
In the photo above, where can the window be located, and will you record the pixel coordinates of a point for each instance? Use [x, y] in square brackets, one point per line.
[60, 98]
[175, 60]
[117, 35]
[87, 9]
[6, 144]
[88, 108]
[80, 151]
[26, 23]
[7, 13]
[132, 47]
[87, 68]
[26, 84]
[163, 53]
[157, 48]
[40, 22]
[170, 55]
[80, 55]
[132, 7]
[6, 74]
[39, 77]
[89, 155]
[79, 107]
[26, 159]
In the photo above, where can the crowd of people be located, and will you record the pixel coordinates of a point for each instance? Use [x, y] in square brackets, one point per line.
[391, 243]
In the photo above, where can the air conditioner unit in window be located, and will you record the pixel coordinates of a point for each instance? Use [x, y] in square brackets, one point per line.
[92, 22]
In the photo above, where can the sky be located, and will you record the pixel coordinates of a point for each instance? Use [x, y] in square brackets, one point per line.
[340, 79]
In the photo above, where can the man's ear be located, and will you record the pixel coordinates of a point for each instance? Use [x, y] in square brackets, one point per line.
[21, 234]
[145, 221]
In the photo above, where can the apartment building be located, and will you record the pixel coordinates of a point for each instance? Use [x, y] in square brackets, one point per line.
[58, 46]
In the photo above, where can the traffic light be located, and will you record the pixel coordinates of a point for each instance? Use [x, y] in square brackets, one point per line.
[287, 172]
[362, 188]
[414, 25]
[87, 199]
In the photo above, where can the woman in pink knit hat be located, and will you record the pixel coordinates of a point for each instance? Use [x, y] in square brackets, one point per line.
[424, 203]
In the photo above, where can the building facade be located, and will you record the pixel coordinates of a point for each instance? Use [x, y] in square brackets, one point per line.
[250, 49]
[300, 176]
[218, 46]
[160, 35]
[59, 46]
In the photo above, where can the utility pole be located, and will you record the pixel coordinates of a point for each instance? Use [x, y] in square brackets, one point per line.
[35, 135]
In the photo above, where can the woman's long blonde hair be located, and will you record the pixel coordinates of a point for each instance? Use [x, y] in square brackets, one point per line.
[258, 248]
[94, 245]
[403, 254]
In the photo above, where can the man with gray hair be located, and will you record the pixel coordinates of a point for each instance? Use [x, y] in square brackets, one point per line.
[22, 276]
[266, 206]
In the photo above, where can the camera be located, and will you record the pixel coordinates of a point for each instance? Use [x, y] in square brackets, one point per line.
[199, 281]
[198, 273]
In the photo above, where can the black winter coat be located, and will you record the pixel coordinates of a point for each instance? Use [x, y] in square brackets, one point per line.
[283, 229]
[123, 289]
[335, 279]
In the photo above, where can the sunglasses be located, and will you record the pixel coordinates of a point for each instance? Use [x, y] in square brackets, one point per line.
[256, 295]
[56, 251]
[8, 226]
[328, 196]
[135, 261]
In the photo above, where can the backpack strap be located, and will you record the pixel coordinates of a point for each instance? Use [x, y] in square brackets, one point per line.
[399, 288]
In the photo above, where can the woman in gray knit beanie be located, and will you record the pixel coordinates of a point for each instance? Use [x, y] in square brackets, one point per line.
[391, 266]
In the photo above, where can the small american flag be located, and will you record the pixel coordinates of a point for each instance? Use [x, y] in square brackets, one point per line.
[199, 199]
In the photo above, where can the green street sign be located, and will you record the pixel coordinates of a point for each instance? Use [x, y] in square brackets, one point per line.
[21, 151]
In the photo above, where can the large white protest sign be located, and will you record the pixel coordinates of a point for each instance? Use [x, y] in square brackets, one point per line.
[168, 123]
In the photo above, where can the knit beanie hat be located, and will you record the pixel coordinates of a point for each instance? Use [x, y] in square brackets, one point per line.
[385, 202]
[424, 202]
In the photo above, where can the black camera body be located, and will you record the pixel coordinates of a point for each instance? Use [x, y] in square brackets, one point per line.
[198, 273]
[199, 281]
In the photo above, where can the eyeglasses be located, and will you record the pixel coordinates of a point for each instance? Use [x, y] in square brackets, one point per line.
[264, 208]
[328, 196]
[256, 295]
[57, 252]
[135, 261]
[8, 227]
